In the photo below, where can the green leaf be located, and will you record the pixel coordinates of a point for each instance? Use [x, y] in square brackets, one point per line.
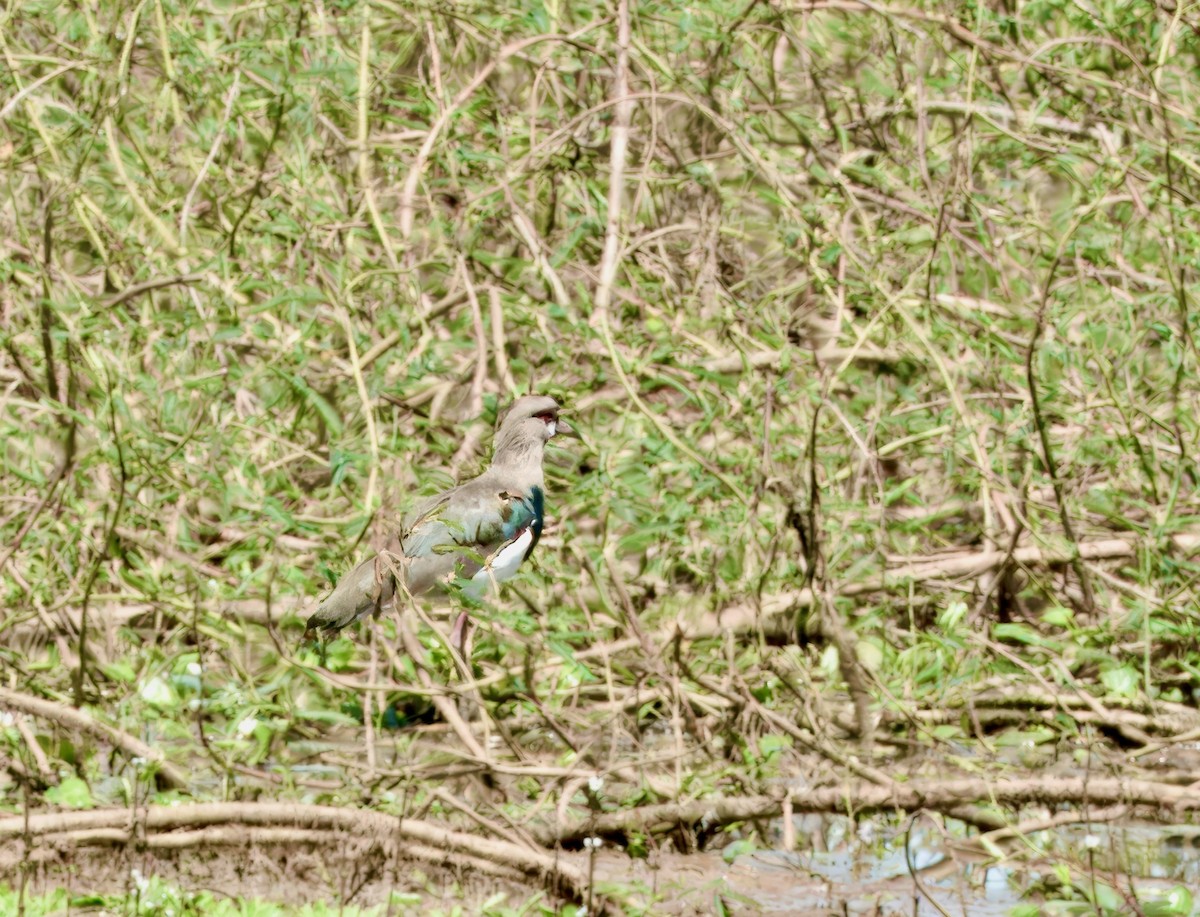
[770, 745]
[339, 654]
[120, 670]
[332, 717]
[917, 235]
[1014, 738]
[1177, 902]
[72, 793]
[1108, 899]
[952, 616]
[318, 402]
[829, 665]
[740, 847]
[1015, 632]
[869, 655]
[1058, 616]
[637, 846]
[1122, 680]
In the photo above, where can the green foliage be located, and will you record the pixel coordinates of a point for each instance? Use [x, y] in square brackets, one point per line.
[72, 793]
[892, 286]
[153, 897]
[1087, 897]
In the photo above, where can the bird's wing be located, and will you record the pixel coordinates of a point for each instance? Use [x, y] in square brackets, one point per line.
[472, 522]
[454, 533]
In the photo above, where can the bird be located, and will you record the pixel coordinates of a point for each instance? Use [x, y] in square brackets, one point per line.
[475, 535]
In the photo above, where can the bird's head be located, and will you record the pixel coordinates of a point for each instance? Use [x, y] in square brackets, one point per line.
[533, 418]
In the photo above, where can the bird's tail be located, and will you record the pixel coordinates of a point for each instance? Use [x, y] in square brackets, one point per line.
[362, 591]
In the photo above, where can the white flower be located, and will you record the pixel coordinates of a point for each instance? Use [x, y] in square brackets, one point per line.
[195, 669]
[593, 843]
[139, 762]
[247, 726]
[595, 783]
[156, 691]
[1091, 842]
[7, 719]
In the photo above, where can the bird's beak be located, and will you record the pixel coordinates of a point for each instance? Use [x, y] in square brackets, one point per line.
[562, 428]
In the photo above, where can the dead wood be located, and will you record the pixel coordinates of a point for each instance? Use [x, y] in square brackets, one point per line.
[860, 797]
[741, 616]
[154, 824]
[79, 720]
[236, 836]
[1137, 727]
[737, 362]
[957, 566]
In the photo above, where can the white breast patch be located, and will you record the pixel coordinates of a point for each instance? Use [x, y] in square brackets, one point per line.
[503, 565]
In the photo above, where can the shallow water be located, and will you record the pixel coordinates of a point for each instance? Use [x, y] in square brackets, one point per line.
[860, 868]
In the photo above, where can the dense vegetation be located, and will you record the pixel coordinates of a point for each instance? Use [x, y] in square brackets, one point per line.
[878, 322]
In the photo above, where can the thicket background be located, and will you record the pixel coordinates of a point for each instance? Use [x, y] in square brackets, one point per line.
[877, 320]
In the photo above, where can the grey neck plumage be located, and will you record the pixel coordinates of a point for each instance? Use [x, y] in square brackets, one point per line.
[519, 458]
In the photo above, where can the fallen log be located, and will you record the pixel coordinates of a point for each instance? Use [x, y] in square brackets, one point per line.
[958, 566]
[184, 825]
[862, 797]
